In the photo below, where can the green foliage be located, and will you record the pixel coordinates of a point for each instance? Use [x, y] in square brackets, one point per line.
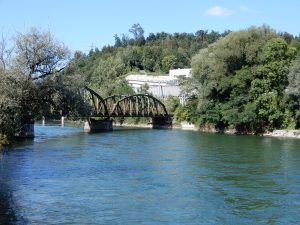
[172, 103]
[11, 101]
[132, 57]
[138, 34]
[151, 58]
[295, 43]
[62, 95]
[297, 118]
[27, 90]
[242, 80]
[293, 90]
[3, 140]
[269, 110]
[294, 79]
[106, 73]
[187, 112]
[168, 62]
[144, 89]
[38, 54]
[105, 70]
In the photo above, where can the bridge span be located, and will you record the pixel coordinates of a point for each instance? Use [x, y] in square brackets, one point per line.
[137, 105]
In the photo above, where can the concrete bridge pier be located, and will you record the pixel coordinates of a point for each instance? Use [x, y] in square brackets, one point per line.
[161, 122]
[98, 125]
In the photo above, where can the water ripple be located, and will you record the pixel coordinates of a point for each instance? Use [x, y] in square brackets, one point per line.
[144, 176]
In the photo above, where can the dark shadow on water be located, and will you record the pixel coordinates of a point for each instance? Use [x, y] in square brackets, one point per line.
[20, 142]
[7, 214]
[7, 210]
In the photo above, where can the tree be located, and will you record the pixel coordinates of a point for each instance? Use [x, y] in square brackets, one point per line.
[62, 94]
[168, 62]
[151, 57]
[133, 57]
[271, 104]
[293, 89]
[172, 103]
[11, 96]
[287, 37]
[144, 89]
[27, 88]
[38, 54]
[294, 79]
[5, 54]
[187, 112]
[106, 74]
[151, 37]
[138, 33]
[242, 79]
[202, 34]
[118, 42]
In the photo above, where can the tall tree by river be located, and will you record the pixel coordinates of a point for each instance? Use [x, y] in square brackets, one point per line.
[30, 81]
[242, 79]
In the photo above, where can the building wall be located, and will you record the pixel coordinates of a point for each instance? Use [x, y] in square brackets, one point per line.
[161, 91]
[160, 86]
[180, 72]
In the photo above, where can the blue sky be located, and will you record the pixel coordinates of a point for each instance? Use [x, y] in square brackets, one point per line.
[81, 24]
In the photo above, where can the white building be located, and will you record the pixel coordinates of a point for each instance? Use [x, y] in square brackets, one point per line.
[160, 86]
[180, 72]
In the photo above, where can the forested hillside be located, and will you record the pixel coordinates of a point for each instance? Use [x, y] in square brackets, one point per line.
[245, 80]
[105, 69]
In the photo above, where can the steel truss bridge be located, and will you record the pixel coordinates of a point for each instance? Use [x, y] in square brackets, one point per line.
[137, 105]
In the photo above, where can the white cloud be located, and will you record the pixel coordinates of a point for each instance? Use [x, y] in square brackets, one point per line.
[218, 11]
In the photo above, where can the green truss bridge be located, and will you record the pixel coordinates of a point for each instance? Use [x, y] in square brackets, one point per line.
[137, 105]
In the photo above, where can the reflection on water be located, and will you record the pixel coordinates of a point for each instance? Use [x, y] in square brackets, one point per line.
[143, 176]
[7, 215]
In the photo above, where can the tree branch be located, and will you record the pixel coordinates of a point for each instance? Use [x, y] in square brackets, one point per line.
[47, 74]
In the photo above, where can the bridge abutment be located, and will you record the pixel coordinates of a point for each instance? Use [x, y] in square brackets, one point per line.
[161, 122]
[98, 125]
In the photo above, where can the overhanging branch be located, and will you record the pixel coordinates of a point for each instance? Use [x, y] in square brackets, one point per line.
[47, 74]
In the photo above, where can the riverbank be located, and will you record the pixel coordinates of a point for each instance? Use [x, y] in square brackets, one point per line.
[274, 133]
[142, 125]
[211, 129]
[191, 127]
[283, 133]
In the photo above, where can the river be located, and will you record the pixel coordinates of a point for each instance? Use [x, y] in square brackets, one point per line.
[144, 176]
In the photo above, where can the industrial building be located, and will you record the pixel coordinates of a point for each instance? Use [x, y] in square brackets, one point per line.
[160, 86]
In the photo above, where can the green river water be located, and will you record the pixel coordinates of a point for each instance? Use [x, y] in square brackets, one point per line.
[145, 176]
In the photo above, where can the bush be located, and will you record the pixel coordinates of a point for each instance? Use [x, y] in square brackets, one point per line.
[10, 105]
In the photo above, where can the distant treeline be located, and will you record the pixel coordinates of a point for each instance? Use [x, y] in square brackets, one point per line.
[158, 53]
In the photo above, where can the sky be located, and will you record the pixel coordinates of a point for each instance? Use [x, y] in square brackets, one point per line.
[86, 24]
